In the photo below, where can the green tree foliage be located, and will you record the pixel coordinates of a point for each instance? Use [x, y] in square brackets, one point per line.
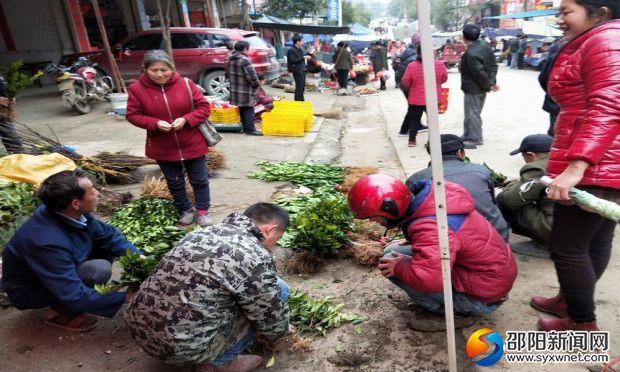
[442, 13]
[402, 8]
[355, 13]
[292, 9]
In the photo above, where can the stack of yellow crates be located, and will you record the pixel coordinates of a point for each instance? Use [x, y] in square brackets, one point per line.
[224, 115]
[288, 118]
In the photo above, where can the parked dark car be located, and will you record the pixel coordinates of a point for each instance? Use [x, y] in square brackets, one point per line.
[199, 54]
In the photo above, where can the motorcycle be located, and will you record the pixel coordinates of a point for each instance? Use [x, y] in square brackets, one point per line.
[81, 84]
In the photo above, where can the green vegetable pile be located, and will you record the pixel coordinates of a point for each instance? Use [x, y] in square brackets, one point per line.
[317, 315]
[498, 178]
[309, 175]
[319, 227]
[17, 202]
[148, 223]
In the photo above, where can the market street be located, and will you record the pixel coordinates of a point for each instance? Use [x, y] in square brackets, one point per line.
[367, 136]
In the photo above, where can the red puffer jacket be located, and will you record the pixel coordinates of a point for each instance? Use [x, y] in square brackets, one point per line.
[585, 82]
[147, 105]
[483, 266]
[413, 80]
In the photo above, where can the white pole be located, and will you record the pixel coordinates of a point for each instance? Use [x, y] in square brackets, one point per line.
[339, 12]
[432, 114]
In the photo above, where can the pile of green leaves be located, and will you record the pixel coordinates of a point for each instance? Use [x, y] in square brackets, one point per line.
[309, 175]
[150, 224]
[320, 228]
[317, 315]
[16, 81]
[498, 178]
[17, 202]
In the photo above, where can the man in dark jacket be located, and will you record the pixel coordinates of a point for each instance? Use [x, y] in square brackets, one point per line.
[549, 105]
[243, 86]
[475, 178]
[514, 53]
[478, 72]
[521, 51]
[61, 252]
[10, 139]
[379, 61]
[404, 59]
[524, 202]
[297, 65]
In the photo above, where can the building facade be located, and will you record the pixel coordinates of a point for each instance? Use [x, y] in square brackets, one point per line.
[40, 31]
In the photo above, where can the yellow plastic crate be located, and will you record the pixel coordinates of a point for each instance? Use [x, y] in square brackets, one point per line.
[275, 124]
[296, 108]
[225, 115]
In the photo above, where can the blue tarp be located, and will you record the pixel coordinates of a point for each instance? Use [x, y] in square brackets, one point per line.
[309, 38]
[532, 13]
[357, 29]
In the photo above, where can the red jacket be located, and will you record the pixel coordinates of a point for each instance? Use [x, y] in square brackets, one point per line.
[146, 106]
[482, 264]
[414, 81]
[585, 82]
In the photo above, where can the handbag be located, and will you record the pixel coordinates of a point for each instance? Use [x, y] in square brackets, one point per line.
[210, 134]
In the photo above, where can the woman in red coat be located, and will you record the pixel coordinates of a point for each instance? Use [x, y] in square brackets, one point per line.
[160, 102]
[413, 81]
[585, 82]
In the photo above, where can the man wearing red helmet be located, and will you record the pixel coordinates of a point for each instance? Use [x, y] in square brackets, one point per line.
[483, 268]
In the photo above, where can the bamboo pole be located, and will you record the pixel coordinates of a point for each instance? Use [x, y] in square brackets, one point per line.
[116, 76]
[432, 114]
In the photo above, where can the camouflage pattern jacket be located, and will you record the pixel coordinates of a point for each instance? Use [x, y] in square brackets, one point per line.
[206, 293]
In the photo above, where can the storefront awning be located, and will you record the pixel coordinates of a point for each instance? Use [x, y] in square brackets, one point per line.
[275, 23]
[532, 13]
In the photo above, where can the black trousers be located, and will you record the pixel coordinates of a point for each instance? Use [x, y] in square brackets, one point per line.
[343, 78]
[10, 138]
[521, 61]
[247, 119]
[300, 85]
[412, 121]
[553, 116]
[580, 249]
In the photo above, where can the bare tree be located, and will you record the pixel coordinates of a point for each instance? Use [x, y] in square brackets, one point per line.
[245, 21]
[164, 20]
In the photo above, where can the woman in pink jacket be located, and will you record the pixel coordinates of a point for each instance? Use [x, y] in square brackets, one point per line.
[585, 82]
[413, 80]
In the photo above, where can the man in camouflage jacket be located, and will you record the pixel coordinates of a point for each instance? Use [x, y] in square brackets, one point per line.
[213, 292]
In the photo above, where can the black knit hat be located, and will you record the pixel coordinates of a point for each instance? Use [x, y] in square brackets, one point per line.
[450, 144]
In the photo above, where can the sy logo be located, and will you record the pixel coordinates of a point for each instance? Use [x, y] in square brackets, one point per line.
[478, 344]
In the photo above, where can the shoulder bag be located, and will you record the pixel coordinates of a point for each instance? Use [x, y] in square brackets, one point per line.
[210, 134]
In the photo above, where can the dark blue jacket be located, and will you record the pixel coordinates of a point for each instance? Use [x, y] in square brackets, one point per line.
[45, 252]
[476, 179]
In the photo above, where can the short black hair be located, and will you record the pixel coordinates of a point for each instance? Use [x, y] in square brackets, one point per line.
[264, 213]
[297, 38]
[242, 45]
[471, 32]
[60, 189]
[593, 7]
[261, 77]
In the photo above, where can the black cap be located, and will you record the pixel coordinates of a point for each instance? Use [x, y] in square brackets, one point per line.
[534, 143]
[450, 143]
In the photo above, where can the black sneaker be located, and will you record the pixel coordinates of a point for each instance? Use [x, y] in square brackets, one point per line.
[255, 133]
[403, 134]
[423, 128]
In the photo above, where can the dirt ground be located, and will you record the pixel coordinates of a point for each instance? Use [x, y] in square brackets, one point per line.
[365, 136]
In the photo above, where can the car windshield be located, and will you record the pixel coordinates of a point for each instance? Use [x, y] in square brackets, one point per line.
[256, 42]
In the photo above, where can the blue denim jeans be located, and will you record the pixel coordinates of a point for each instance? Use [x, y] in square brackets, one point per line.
[433, 302]
[232, 352]
[198, 177]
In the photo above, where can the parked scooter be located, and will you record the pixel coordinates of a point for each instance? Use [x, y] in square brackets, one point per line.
[80, 84]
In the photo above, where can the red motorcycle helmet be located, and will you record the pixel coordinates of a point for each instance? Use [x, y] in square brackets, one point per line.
[379, 195]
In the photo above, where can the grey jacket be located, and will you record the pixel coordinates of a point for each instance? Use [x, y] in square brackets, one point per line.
[206, 293]
[476, 179]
